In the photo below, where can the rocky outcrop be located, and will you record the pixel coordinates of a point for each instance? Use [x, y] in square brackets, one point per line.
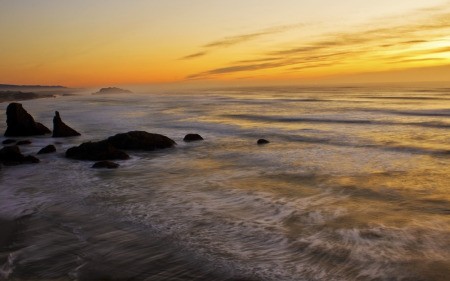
[23, 142]
[60, 129]
[11, 155]
[96, 151]
[21, 123]
[111, 148]
[48, 149]
[192, 137]
[105, 165]
[262, 141]
[140, 140]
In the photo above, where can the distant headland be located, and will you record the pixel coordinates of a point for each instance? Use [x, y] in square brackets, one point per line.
[112, 90]
[26, 92]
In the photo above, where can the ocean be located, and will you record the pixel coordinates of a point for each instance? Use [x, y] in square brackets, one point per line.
[354, 185]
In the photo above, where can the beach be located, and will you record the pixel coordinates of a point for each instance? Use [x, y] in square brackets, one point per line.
[353, 185]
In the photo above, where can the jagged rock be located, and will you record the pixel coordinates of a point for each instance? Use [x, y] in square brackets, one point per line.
[21, 123]
[192, 137]
[140, 140]
[60, 129]
[8, 141]
[262, 141]
[11, 155]
[105, 164]
[96, 151]
[48, 149]
[23, 142]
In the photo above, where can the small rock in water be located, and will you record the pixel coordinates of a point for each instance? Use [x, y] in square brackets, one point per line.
[8, 141]
[262, 141]
[192, 137]
[48, 149]
[11, 155]
[31, 159]
[105, 164]
[23, 142]
[21, 123]
[60, 129]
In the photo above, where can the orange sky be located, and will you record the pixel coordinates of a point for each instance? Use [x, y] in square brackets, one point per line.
[92, 43]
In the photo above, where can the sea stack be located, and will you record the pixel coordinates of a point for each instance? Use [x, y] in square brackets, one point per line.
[21, 123]
[60, 129]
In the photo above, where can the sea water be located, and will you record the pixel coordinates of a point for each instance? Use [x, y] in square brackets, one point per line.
[354, 185]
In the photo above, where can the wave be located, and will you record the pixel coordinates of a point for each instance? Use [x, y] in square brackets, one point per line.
[280, 119]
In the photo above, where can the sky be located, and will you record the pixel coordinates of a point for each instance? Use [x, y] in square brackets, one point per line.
[110, 42]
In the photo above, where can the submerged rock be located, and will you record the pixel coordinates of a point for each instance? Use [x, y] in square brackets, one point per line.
[11, 155]
[60, 129]
[105, 164]
[23, 142]
[21, 123]
[48, 149]
[262, 141]
[192, 137]
[9, 141]
[140, 140]
[96, 151]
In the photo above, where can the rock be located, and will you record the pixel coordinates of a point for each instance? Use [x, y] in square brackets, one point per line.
[262, 141]
[109, 149]
[60, 129]
[96, 151]
[31, 159]
[112, 90]
[11, 155]
[192, 137]
[48, 149]
[8, 141]
[23, 142]
[105, 164]
[140, 140]
[21, 123]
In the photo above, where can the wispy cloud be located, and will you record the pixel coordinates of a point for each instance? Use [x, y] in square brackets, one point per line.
[392, 43]
[237, 39]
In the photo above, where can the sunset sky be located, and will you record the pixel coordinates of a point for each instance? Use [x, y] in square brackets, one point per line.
[109, 42]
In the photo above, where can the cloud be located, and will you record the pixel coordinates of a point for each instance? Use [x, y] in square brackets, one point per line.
[195, 55]
[237, 39]
[395, 42]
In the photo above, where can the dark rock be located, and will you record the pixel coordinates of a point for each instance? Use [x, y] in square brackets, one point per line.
[23, 142]
[31, 159]
[96, 151]
[48, 149]
[11, 155]
[21, 123]
[109, 149]
[60, 129]
[192, 137]
[105, 164]
[262, 141]
[140, 140]
[8, 141]
[113, 90]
